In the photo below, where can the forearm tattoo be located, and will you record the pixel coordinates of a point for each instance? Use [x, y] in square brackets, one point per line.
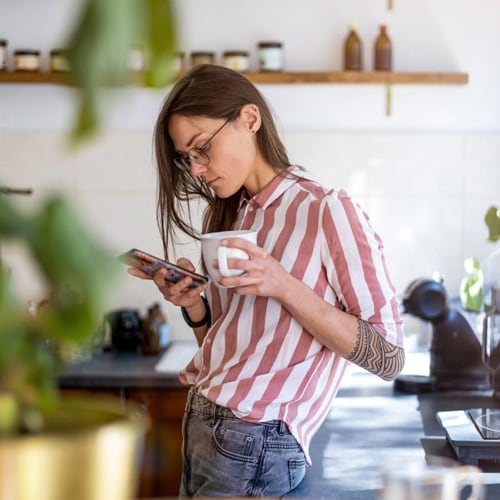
[373, 353]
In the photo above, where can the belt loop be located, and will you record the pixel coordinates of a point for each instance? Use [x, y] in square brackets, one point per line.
[213, 408]
[283, 429]
[189, 398]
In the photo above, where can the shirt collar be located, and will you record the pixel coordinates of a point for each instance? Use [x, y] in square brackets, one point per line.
[274, 189]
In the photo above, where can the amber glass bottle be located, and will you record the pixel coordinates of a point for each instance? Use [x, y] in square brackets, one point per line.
[155, 331]
[383, 51]
[353, 58]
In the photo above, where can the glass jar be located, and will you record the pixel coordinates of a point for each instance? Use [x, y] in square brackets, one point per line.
[3, 55]
[178, 63]
[202, 58]
[491, 338]
[135, 59]
[59, 60]
[237, 59]
[270, 56]
[27, 60]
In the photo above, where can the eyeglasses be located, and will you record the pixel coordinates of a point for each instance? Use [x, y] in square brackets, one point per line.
[198, 155]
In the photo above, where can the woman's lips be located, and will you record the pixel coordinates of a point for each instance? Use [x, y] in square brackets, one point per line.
[211, 181]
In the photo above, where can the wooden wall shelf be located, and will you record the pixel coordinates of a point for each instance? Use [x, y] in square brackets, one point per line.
[355, 77]
[285, 77]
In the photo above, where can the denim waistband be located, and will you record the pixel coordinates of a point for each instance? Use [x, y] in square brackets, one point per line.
[200, 404]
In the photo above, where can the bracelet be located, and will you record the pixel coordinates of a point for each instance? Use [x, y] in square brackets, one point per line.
[206, 320]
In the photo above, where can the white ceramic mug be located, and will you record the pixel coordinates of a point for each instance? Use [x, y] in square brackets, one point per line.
[213, 251]
[439, 479]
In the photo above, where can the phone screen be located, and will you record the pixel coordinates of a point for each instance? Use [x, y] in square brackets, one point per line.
[150, 264]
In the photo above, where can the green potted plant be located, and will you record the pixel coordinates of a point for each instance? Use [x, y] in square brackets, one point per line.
[53, 447]
[471, 287]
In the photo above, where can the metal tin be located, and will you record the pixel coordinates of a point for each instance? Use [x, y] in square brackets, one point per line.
[59, 60]
[27, 60]
[270, 56]
[3, 55]
[237, 59]
[202, 58]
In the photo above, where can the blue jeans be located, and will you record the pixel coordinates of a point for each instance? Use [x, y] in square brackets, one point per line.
[226, 456]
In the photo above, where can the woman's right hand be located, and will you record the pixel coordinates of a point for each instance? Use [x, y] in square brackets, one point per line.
[179, 293]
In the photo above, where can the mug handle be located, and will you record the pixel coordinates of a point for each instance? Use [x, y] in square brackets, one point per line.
[470, 475]
[223, 253]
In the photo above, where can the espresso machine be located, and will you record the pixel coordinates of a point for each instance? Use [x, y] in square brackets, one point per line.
[456, 354]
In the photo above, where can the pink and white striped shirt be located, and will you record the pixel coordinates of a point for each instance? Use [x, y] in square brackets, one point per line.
[256, 358]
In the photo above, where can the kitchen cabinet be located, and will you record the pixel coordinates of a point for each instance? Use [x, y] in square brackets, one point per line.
[161, 468]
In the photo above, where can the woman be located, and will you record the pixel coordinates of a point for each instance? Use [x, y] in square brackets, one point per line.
[314, 295]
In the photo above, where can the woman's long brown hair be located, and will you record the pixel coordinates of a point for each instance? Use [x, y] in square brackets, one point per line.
[219, 93]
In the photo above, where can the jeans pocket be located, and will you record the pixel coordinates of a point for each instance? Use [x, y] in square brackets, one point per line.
[235, 440]
[296, 471]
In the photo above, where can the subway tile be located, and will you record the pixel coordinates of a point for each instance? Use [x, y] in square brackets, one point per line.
[36, 159]
[116, 161]
[482, 167]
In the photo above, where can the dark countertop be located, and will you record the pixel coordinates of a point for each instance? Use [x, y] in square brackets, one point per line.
[369, 423]
[117, 370]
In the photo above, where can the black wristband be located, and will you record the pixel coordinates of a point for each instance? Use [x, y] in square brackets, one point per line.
[206, 320]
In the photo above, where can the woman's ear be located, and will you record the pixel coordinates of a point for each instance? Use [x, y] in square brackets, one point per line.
[250, 117]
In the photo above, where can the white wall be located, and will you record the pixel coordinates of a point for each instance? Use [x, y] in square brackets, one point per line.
[425, 175]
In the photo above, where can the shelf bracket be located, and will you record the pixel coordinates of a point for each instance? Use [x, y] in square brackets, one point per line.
[388, 100]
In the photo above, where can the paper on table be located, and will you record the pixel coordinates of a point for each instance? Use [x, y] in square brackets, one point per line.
[177, 356]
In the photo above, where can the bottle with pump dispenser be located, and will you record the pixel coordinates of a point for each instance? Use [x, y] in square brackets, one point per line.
[383, 50]
[353, 53]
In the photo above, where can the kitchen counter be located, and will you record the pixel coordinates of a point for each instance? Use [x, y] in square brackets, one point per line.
[118, 370]
[369, 424]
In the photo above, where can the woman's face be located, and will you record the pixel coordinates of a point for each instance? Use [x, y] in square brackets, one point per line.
[232, 151]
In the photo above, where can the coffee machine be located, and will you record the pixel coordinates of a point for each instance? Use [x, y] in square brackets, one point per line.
[456, 358]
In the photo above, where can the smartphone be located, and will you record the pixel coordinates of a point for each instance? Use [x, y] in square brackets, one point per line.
[149, 264]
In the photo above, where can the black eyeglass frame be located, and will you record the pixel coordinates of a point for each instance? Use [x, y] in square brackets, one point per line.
[183, 161]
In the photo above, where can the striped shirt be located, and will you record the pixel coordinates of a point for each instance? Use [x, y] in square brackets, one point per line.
[256, 359]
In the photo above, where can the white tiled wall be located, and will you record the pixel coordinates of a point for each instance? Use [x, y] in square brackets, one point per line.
[425, 193]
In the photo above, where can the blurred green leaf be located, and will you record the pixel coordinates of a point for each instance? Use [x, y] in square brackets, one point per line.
[160, 42]
[99, 46]
[492, 219]
[77, 271]
[471, 286]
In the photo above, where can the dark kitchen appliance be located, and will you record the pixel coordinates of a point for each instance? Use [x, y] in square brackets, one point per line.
[456, 361]
[474, 434]
[126, 329]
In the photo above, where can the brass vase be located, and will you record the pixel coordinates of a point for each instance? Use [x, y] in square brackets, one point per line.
[89, 450]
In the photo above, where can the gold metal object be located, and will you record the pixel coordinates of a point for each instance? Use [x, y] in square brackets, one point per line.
[90, 450]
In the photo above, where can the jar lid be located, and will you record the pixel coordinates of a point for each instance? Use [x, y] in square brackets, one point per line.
[26, 52]
[202, 53]
[58, 52]
[232, 53]
[270, 44]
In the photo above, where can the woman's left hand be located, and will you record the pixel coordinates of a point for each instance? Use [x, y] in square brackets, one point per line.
[263, 274]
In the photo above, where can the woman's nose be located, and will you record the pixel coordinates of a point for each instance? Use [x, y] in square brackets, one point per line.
[197, 169]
